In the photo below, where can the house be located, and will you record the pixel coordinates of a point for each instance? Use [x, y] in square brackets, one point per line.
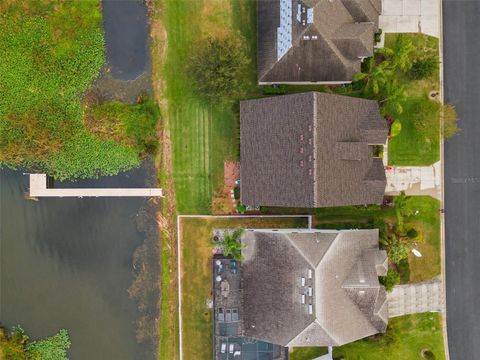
[301, 287]
[314, 41]
[311, 150]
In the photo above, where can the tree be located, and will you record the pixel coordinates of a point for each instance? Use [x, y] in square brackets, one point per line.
[374, 76]
[231, 244]
[218, 68]
[400, 203]
[390, 280]
[52, 348]
[450, 120]
[402, 51]
[393, 97]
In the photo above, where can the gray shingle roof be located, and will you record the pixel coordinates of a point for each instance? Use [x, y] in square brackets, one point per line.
[327, 49]
[311, 150]
[347, 300]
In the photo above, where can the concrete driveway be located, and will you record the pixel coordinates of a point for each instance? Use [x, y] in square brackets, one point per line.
[409, 16]
[414, 180]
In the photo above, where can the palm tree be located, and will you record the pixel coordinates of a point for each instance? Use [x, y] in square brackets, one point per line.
[401, 209]
[394, 97]
[230, 243]
[375, 76]
[403, 50]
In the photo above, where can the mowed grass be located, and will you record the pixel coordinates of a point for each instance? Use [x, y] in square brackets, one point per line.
[203, 135]
[405, 339]
[411, 146]
[307, 353]
[196, 234]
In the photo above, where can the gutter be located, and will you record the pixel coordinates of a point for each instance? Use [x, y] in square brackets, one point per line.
[442, 195]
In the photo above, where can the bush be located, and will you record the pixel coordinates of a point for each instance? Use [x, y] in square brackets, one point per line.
[396, 248]
[423, 68]
[236, 193]
[395, 128]
[412, 233]
[403, 268]
[428, 355]
[450, 121]
[241, 208]
[390, 280]
[218, 68]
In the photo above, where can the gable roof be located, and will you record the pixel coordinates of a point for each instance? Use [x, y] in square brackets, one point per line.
[314, 40]
[311, 150]
[347, 300]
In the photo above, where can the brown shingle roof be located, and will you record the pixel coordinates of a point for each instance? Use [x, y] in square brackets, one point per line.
[327, 49]
[311, 150]
[347, 300]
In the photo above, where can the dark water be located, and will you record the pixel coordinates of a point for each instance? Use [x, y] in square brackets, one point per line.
[126, 37]
[67, 263]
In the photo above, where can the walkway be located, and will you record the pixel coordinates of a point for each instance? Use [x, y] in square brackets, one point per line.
[416, 298]
[410, 16]
[38, 188]
[414, 180]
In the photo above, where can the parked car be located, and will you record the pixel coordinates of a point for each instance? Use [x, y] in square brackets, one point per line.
[223, 348]
[230, 349]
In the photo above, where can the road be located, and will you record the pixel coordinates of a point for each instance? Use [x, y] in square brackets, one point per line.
[461, 28]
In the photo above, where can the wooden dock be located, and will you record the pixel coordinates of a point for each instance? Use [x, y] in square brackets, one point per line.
[38, 188]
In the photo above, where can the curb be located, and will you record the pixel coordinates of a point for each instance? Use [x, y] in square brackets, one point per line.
[442, 200]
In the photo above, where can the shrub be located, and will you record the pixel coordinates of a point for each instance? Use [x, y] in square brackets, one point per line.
[390, 280]
[236, 192]
[217, 69]
[450, 121]
[396, 248]
[395, 128]
[423, 68]
[412, 233]
[403, 268]
[429, 355]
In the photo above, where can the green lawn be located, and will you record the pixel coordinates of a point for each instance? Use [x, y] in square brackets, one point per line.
[307, 353]
[411, 146]
[203, 135]
[405, 339]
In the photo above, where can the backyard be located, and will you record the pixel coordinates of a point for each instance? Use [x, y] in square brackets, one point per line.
[196, 257]
[203, 135]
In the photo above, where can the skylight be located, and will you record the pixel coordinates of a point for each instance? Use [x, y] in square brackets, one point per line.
[284, 32]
